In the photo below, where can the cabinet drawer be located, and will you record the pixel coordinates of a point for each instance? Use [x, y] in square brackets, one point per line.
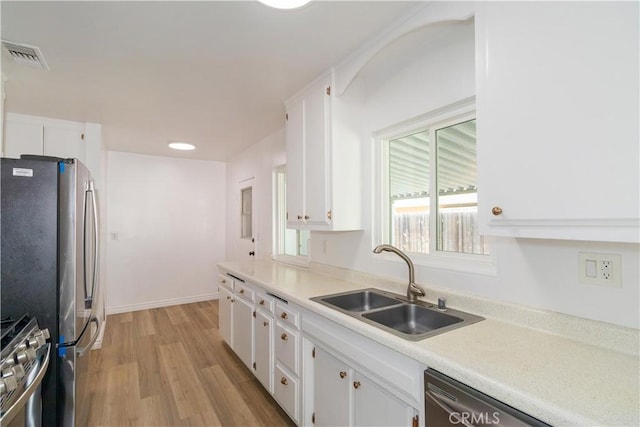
[286, 392]
[286, 314]
[243, 291]
[225, 281]
[264, 301]
[286, 346]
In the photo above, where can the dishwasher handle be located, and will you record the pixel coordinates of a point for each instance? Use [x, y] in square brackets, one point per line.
[438, 400]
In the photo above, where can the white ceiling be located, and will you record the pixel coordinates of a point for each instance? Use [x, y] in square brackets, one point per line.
[211, 73]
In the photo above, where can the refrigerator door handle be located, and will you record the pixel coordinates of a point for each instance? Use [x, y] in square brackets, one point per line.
[96, 251]
[88, 297]
[82, 351]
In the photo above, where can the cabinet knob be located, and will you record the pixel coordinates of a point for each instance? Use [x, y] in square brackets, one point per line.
[343, 374]
[224, 281]
[283, 315]
[284, 381]
[306, 217]
[242, 291]
[232, 300]
[261, 302]
[299, 216]
[356, 384]
[265, 323]
[228, 297]
[496, 210]
[284, 337]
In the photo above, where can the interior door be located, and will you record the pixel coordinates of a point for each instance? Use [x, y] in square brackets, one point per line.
[246, 211]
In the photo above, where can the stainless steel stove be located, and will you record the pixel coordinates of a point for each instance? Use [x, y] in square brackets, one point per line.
[24, 359]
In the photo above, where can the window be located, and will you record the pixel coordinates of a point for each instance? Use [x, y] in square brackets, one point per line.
[429, 197]
[290, 245]
[246, 216]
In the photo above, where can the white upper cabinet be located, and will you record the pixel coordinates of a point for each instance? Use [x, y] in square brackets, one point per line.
[44, 137]
[323, 161]
[558, 120]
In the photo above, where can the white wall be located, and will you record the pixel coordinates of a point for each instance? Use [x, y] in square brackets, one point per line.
[258, 162]
[169, 217]
[423, 71]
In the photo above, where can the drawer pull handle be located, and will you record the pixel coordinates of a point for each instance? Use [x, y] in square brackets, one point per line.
[284, 337]
[242, 291]
[228, 297]
[261, 302]
[265, 323]
[283, 315]
[496, 210]
[356, 384]
[306, 217]
[343, 374]
[224, 281]
[299, 216]
[284, 381]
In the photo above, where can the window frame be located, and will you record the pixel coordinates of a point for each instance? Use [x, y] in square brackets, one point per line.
[381, 213]
[280, 224]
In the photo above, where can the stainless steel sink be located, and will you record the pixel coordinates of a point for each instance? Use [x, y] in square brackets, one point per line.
[392, 312]
[365, 300]
[412, 319]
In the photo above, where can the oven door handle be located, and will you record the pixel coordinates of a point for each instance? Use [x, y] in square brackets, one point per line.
[28, 392]
[439, 401]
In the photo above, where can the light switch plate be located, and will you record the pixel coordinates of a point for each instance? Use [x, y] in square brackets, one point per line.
[600, 269]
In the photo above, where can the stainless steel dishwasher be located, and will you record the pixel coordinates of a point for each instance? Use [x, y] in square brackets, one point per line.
[450, 403]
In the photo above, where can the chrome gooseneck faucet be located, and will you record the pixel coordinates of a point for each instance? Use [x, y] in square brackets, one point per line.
[413, 290]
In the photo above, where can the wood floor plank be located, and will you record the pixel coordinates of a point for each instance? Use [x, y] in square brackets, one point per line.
[143, 323]
[233, 410]
[169, 367]
[176, 314]
[150, 378]
[263, 406]
[202, 351]
[187, 392]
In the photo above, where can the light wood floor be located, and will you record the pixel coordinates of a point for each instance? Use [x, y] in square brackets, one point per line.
[170, 367]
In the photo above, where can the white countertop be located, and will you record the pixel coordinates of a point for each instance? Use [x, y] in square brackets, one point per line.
[556, 379]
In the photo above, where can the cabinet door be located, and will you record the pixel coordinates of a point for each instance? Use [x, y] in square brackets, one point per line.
[64, 141]
[263, 349]
[242, 330]
[375, 407]
[331, 390]
[224, 315]
[295, 164]
[22, 138]
[558, 119]
[316, 156]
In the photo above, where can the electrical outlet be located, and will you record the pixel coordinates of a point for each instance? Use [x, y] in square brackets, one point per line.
[600, 269]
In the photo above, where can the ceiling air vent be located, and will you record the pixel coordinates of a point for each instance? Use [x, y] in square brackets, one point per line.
[25, 54]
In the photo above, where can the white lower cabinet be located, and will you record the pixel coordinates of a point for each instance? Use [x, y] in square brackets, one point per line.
[263, 349]
[286, 391]
[224, 314]
[332, 390]
[345, 397]
[374, 406]
[242, 330]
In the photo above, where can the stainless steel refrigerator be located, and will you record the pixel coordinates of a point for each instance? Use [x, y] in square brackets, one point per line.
[49, 269]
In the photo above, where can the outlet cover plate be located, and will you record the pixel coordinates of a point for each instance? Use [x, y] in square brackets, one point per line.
[600, 269]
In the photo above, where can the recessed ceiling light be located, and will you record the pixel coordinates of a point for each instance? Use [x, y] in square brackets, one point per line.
[285, 4]
[182, 146]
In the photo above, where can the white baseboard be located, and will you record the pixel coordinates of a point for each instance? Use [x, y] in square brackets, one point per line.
[160, 303]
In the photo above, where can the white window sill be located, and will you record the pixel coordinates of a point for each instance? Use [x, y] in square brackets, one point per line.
[484, 265]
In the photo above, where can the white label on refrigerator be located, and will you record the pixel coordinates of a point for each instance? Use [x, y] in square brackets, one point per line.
[22, 172]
